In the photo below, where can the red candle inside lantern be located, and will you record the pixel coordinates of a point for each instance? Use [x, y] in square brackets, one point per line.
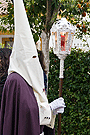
[62, 42]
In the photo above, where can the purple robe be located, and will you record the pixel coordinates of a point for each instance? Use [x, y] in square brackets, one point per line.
[19, 114]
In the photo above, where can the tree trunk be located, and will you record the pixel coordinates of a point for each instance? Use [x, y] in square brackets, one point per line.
[45, 49]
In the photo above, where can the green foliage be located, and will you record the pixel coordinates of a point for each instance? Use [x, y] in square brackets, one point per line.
[8, 19]
[3, 46]
[76, 11]
[41, 17]
[76, 91]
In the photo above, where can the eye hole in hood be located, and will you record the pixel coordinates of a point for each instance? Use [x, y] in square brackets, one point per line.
[34, 56]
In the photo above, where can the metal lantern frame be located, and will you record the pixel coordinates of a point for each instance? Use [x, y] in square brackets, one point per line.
[62, 28]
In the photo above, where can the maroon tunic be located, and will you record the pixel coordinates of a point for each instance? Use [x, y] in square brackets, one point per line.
[19, 114]
[19, 109]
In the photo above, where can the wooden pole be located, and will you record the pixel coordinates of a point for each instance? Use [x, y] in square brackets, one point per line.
[59, 115]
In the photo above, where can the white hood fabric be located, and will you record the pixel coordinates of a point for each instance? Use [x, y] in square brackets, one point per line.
[24, 60]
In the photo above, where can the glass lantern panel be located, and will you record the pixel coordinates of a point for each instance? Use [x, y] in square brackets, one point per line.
[55, 39]
[56, 43]
[64, 38]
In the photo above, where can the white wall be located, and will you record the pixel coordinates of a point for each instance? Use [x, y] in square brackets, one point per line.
[80, 44]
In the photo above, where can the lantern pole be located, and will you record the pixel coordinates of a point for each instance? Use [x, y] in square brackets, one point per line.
[59, 115]
[62, 57]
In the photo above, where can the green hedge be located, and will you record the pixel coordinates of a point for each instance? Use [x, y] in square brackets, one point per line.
[76, 91]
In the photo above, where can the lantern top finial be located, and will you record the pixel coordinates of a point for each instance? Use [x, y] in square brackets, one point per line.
[63, 25]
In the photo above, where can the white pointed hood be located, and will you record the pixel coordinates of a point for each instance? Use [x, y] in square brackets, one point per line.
[24, 58]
